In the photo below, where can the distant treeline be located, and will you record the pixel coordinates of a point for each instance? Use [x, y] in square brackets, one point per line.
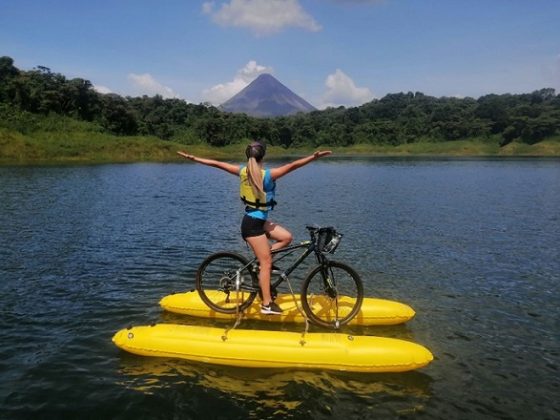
[395, 119]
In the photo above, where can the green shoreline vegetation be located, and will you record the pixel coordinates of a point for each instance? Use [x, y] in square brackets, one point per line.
[47, 119]
[86, 147]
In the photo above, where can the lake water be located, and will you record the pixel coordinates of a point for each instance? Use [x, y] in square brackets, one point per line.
[471, 245]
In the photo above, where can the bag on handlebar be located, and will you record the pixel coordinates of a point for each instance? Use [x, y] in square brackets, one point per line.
[327, 239]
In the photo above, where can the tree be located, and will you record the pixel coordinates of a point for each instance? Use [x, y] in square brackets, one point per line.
[494, 109]
[8, 73]
[117, 117]
[395, 119]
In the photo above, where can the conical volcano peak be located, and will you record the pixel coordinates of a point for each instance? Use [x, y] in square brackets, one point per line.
[266, 97]
[266, 77]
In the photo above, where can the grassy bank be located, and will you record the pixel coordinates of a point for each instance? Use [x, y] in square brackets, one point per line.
[474, 147]
[54, 147]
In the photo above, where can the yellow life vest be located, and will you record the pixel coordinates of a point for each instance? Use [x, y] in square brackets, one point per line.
[260, 201]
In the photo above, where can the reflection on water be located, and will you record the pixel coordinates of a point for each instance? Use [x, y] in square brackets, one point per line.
[279, 391]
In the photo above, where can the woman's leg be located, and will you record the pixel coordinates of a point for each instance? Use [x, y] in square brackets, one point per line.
[277, 233]
[261, 248]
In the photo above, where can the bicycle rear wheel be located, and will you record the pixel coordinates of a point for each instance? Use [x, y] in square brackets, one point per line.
[332, 294]
[224, 285]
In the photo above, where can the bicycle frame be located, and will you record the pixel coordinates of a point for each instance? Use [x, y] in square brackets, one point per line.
[331, 292]
[283, 276]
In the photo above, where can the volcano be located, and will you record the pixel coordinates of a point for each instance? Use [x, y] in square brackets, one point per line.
[266, 97]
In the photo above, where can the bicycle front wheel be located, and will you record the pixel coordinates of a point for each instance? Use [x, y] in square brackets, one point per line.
[224, 284]
[332, 294]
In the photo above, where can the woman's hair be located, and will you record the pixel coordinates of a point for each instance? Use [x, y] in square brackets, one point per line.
[255, 153]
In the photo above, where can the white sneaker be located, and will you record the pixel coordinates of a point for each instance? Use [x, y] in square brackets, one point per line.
[271, 309]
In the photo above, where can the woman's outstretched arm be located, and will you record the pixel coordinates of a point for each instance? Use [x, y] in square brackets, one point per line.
[292, 166]
[228, 167]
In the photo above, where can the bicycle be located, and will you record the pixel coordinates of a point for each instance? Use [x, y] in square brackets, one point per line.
[331, 293]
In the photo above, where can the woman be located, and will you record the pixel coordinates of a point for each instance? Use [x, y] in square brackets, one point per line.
[257, 186]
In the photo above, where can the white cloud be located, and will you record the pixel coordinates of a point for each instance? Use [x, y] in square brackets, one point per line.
[145, 84]
[262, 17]
[207, 7]
[102, 89]
[220, 93]
[341, 90]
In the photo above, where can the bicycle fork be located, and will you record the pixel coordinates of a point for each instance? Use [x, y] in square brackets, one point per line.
[329, 283]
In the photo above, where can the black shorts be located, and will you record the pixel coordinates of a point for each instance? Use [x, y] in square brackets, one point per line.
[251, 226]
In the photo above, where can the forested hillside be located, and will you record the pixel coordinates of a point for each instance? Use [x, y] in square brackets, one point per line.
[28, 97]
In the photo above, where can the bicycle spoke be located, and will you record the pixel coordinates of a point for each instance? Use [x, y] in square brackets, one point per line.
[223, 284]
[334, 299]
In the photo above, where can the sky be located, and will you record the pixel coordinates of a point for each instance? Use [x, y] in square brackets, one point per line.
[330, 52]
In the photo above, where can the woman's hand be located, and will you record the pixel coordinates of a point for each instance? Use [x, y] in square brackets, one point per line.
[228, 167]
[319, 154]
[292, 166]
[186, 155]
